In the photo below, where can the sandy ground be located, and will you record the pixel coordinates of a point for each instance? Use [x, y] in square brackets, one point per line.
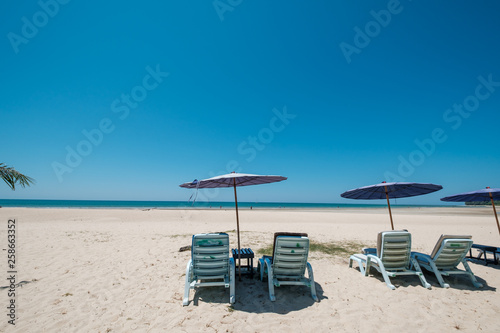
[119, 270]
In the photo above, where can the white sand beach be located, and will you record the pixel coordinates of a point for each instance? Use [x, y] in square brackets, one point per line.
[120, 270]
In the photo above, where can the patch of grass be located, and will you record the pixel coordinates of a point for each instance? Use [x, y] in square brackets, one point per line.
[179, 235]
[332, 248]
[266, 251]
[68, 294]
[230, 308]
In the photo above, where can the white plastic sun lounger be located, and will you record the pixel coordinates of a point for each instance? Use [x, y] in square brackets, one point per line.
[448, 253]
[288, 264]
[210, 264]
[392, 258]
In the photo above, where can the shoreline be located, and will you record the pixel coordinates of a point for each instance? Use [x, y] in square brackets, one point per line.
[399, 208]
[248, 206]
[156, 204]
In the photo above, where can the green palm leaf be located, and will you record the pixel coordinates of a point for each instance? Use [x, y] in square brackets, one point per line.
[13, 177]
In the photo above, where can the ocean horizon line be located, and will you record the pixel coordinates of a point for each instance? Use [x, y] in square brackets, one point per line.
[169, 204]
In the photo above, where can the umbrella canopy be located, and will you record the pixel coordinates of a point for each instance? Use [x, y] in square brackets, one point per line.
[390, 191]
[233, 180]
[479, 195]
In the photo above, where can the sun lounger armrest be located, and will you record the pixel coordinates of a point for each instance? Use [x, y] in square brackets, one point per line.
[372, 257]
[376, 260]
[232, 268]
[267, 261]
[232, 277]
[185, 300]
[269, 266]
[270, 279]
[188, 267]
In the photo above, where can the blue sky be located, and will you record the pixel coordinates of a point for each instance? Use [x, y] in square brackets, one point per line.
[126, 100]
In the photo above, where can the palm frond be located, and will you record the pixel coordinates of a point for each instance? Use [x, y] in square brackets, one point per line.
[12, 177]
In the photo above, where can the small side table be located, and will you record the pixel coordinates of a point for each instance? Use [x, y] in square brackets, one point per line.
[245, 254]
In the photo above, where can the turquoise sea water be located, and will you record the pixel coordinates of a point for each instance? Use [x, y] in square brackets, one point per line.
[177, 204]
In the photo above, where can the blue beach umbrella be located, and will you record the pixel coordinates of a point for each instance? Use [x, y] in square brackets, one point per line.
[390, 191]
[233, 180]
[479, 195]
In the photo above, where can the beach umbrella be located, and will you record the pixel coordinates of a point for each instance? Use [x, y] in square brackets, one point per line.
[389, 191]
[479, 195]
[233, 180]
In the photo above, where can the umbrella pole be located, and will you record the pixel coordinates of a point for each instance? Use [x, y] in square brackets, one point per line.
[237, 229]
[389, 206]
[495, 211]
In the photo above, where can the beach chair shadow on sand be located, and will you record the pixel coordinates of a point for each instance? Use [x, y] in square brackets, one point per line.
[448, 253]
[288, 264]
[391, 258]
[253, 297]
[210, 265]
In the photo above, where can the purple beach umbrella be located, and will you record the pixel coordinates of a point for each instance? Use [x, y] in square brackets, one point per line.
[479, 195]
[232, 180]
[390, 191]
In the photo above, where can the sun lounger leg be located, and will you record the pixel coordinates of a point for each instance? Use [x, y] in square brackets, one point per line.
[270, 281]
[421, 276]
[368, 266]
[261, 268]
[382, 270]
[185, 301]
[387, 280]
[313, 284]
[480, 254]
[471, 275]
[232, 276]
[438, 274]
[360, 263]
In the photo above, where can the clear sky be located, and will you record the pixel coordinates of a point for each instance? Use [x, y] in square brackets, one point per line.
[122, 100]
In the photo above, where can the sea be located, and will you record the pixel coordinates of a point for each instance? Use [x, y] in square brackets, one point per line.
[31, 203]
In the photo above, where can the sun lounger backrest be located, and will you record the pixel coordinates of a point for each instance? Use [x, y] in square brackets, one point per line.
[450, 250]
[379, 239]
[290, 255]
[281, 233]
[394, 249]
[210, 255]
[439, 243]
